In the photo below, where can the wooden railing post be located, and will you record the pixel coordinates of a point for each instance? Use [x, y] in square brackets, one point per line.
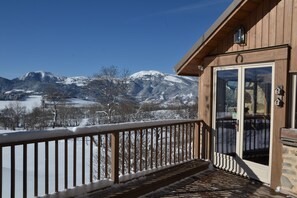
[115, 157]
[209, 144]
[197, 140]
[203, 142]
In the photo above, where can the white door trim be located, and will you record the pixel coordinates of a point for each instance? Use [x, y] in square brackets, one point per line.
[230, 163]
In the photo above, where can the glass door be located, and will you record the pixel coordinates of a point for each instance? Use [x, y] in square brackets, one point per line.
[241, 119]
[226, 111]
[255, 120]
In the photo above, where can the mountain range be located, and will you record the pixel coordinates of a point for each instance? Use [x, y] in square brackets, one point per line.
[144, 86]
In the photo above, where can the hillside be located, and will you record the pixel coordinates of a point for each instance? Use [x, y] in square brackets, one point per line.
[144, 86]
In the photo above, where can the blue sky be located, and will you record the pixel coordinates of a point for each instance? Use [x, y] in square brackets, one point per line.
[77, 37]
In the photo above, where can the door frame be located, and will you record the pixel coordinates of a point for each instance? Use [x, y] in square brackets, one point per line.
[239, 165]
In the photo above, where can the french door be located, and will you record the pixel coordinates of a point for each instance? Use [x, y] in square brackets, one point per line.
[242, 113]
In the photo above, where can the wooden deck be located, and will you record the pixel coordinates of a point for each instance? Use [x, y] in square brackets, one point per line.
[142, 185]
[190, 179]
[216, 183]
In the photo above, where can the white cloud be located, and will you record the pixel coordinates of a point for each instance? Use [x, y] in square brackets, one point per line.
[195, 6]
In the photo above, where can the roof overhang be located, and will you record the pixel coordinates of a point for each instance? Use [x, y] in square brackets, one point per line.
[190, 64]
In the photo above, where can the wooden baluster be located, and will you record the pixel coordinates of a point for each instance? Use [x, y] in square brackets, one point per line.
[170, 144]
[35, 169]
[1, 165]
[106, 155]
[174, 144]
[166, 145]
[24, 170]
[178, 141]
[83, 161]
[56, 166]
[66, 163]
[91, 158]
[152, 147]
[156, 151]
[46, 168]
[140, 150]
[161, 146]
[135, 151]
[183, 141]
[99, 157]
[12, 171]
[191, 142]
[74, 161]
[186, 144]
[129, 152]
[123, 153]
[146, 149]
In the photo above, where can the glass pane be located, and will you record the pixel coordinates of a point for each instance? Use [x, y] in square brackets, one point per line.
[257, 107]
[226, 117]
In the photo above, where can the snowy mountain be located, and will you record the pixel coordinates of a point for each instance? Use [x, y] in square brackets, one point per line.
[79, 81]
[40, 76]
[156, 87]
[146, 74]
[144, 86]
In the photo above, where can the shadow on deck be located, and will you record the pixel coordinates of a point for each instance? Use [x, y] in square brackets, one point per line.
[191, 179]
[140, 186]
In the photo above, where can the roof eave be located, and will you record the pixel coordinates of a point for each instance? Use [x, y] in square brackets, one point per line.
[183, 62]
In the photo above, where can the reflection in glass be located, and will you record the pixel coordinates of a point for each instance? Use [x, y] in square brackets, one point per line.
[257, 107]
[226, 112]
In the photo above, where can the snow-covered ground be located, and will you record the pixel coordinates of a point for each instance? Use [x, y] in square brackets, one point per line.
[79, 102]
[35, 101]
[31, 102]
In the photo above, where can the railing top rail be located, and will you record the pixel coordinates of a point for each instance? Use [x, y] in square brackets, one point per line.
[21, 137]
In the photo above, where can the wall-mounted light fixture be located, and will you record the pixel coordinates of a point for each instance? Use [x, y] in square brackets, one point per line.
[239, 36]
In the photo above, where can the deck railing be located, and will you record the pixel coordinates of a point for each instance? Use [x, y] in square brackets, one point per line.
[37, 163]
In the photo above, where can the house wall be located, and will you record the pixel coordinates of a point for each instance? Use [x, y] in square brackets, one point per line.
[279, 56]
[274, 22]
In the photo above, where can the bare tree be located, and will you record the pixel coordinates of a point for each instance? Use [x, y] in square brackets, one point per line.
[55, 97]
[38, 118]
[111, 87]
[13, 115]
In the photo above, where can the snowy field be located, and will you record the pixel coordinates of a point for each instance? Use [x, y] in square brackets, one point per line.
[29, 103]
[35, 101]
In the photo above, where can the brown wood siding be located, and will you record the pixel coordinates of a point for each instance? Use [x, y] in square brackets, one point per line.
[205, 96]
[273, 22]
[279, 122]
[271, 54]
[293, 65]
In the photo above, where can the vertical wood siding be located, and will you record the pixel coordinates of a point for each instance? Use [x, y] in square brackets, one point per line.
[273, 22]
